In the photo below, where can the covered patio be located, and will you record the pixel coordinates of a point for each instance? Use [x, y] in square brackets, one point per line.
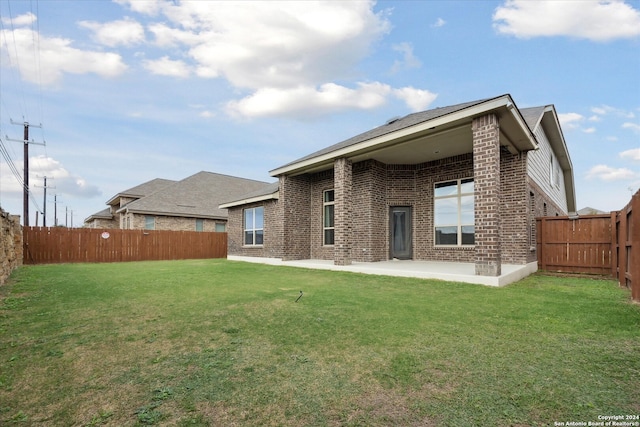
[440, 270]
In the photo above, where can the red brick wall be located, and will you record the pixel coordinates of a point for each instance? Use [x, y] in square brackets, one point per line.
[486, 166]
[296, 217]
[505, 210]
[344, 235]
[272, 245]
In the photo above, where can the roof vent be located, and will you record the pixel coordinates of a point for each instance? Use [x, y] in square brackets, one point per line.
[392, 120]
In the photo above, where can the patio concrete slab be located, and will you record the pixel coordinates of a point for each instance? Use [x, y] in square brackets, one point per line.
[449, 271]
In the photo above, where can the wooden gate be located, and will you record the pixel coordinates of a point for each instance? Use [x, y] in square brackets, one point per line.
[46, 245]
[581, 245]
[595, 244]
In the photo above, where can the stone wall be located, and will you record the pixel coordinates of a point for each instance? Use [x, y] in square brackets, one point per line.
[10, 244]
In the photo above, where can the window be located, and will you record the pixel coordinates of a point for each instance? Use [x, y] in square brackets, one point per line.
[199, 224]
[454, 216]
[328, 211]
[220, 228]
[554, 173]
[254, 226]
[149, 222]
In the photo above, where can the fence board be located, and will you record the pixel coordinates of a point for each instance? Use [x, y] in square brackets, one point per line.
[580, 245]
[595, 244]
[46, 245]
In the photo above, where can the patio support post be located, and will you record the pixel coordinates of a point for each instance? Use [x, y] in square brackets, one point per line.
[486, 172]
[343, 229]
[296, 212]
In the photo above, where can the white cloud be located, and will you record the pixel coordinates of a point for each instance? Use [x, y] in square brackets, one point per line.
[308, 101]
[408, 58]
[633, 154]
[594, 118]
[593, 20]
[416, 99]
[607, 109]
[149, 7]
[589, 130]
[570, 120]
[607, 173]
[289, 43]
[56, 57]
[439, 23]
[21, 20]
[289, 61]
[633, 126]
[126, 32]
[57, 176]
[167, 67]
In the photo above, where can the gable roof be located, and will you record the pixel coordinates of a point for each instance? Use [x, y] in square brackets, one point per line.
[196, 196]
[422, 133]
[268, 192]
[103, 214]
[141, 190]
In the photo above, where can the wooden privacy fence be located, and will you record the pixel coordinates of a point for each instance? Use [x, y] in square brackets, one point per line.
[45, 245]
[594, 244]
[626, 226]
[581, 245]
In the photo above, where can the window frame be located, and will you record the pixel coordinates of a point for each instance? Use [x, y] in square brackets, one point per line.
[149, 222]
[459, 224]
[328, 228]
[253, 229]
[199, 224]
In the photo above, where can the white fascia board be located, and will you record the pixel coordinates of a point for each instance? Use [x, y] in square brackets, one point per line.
[503, 101]
[272, 196]
[515, 112]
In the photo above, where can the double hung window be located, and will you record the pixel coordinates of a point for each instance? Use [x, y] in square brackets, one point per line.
[328, 211]
[254, 226]
[454, 217]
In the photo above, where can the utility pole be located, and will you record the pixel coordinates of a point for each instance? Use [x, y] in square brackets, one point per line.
[25, 178]
[44, 211]
[66, 217]
[55, 210]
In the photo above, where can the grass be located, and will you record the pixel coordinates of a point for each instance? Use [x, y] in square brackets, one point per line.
[215, 342]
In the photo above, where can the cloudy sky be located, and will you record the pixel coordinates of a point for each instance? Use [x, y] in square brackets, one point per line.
[131, 90]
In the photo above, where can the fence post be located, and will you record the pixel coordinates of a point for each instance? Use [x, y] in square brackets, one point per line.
[634, 241]
[542, 243]
[614, 244]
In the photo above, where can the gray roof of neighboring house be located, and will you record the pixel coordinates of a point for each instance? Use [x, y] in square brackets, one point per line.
[392, 126]
[196, 196]
[142, 190]
[591, 211]
[103, 214]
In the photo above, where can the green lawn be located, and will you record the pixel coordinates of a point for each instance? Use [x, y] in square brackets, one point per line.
[221, 343]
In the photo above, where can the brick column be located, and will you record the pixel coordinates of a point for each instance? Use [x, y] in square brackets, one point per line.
[343, 188]
[486, 172]
[295, 205]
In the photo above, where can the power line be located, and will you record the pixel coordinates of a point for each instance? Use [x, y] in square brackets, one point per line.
[25, 177]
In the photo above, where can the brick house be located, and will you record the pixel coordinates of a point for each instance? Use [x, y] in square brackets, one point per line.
[191, 204]
[462, 183]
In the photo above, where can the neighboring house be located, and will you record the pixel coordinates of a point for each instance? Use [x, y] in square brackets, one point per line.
[191, 204]
[462, 183]
[590, 211]
[109, 217]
